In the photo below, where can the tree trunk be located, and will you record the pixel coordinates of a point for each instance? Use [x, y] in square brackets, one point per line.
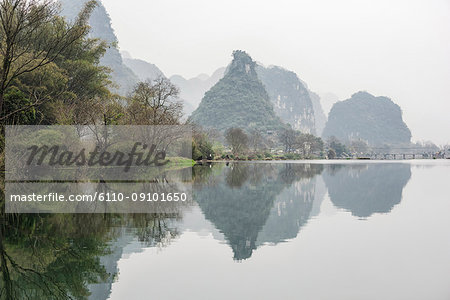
[3, 262]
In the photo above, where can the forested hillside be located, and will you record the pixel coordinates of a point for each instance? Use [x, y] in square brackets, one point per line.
[237, 100]
[376, 120]
[293, 102]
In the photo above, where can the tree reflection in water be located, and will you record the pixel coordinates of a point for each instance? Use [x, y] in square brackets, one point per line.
[58, 256]
[61, 256]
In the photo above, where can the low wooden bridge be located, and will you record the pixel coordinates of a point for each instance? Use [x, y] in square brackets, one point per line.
[404, 156]
[395, 156]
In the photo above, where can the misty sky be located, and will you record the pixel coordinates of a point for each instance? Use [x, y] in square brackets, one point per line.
[399, 49]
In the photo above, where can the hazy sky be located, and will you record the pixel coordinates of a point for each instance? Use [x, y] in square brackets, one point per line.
[394, 48]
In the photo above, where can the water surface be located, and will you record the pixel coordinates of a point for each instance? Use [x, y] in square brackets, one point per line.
[295, 230]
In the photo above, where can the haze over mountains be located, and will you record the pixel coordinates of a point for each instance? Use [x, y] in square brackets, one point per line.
[397, 49]
[194, 89]
[248, 95]
[143, 70]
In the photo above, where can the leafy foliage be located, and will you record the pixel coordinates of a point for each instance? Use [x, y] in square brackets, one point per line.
[100, 22]
[33, 38]
[50, 82]
[15, 100]
[202, 148]
[338, 149]
[305, 143]
[237, 139]
[154, 103]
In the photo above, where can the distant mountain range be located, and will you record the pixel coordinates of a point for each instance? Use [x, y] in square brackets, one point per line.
[293, 103]
[248, 95]
[376, 120]
[194, 89]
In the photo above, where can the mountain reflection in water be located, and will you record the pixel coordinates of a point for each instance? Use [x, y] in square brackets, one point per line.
[246, 205]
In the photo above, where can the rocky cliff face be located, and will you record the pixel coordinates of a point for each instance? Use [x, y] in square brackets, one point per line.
[319, 114]
[291, 99]
[376, 120]
[299, 107]
[239, 99]
[143, 70]
[100, 23]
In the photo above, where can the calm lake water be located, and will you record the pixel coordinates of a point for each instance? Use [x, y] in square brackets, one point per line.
[356, 230]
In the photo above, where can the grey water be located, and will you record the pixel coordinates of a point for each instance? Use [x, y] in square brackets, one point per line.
[255, 230]
[299, 231]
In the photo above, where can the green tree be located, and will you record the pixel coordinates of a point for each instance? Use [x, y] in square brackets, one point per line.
[331, 154]
[359, 146]
[155, 103]
[237, 139]
[33, 35]
[337, 146]
[202, 148]
[309, 144]
[256, 140]
[288, 137]
[14, 100]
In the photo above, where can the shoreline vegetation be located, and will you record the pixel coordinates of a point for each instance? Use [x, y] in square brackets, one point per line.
[220, 160]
